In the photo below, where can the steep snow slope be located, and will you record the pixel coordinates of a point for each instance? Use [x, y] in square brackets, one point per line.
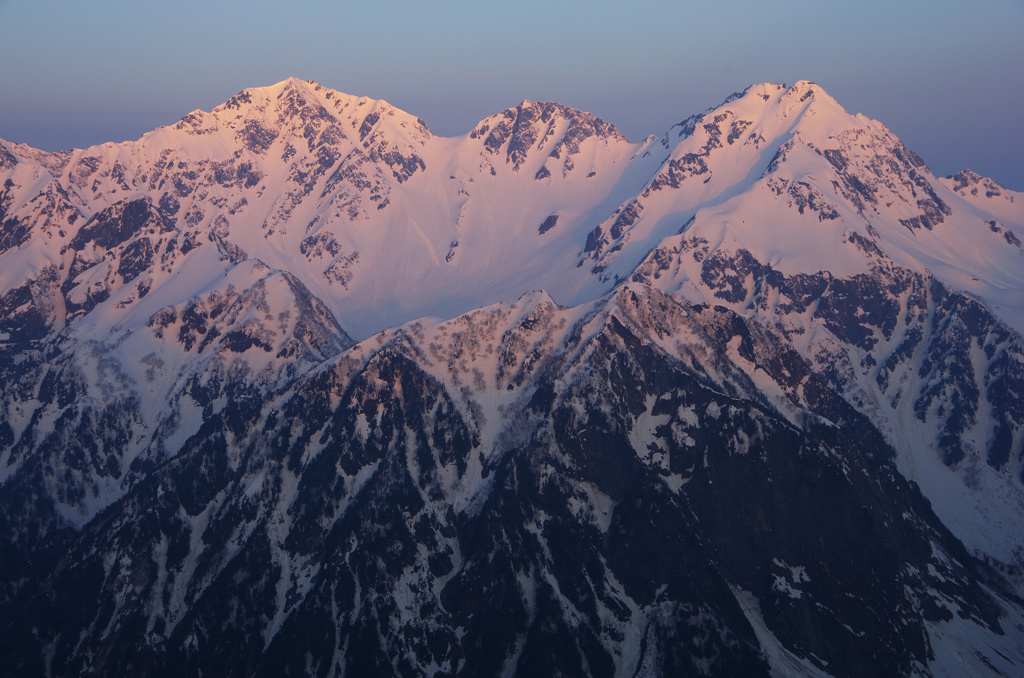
[788, 175]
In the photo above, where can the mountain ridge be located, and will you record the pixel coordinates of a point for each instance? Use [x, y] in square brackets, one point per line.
[302, 315]
[358, 195]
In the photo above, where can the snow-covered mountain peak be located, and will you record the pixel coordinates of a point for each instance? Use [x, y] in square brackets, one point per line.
[292, 108]
[323, 183]
[775, 165]
[7, 158]
[983, 191]
[710, 158]
[542, 129]
[290, 89]
[805, 89]
[772, 110]
[529, 112]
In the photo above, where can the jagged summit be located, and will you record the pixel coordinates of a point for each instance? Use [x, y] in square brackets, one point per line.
[773, 100]
[549, 115]
[285, 93]
[550, 132]
[304, 109]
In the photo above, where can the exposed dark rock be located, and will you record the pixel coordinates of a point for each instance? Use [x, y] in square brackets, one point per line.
[549, 223]
[136, 258]
[118, 223]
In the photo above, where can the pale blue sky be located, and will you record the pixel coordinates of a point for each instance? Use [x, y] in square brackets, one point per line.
[947, 77]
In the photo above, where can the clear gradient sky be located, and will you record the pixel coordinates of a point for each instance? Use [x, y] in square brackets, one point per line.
[947, 77]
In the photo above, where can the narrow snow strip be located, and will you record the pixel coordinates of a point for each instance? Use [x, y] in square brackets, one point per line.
[783, 663]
